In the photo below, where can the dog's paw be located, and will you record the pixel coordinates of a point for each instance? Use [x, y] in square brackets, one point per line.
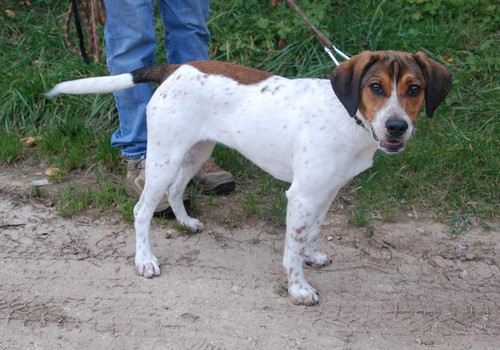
[318, 259]
[147, 266]
[303, 295]
[194, 224]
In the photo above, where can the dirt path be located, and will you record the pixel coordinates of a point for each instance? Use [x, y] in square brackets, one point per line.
[70, 284]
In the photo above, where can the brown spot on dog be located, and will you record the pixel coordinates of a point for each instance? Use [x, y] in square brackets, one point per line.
[300, 229]
[410, 103]
[370, 102]
[241, 74]
[300, 240]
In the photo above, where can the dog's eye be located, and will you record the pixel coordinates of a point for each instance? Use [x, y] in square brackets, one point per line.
[376, 88]
[414, 90]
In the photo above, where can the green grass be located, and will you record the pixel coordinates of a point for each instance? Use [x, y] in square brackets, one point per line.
[10, 147]
[74, 200]
[450, 167]
[281, 288]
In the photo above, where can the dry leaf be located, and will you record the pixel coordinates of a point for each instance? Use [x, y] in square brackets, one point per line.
[30, 141]
[52, 171]
[446, 59]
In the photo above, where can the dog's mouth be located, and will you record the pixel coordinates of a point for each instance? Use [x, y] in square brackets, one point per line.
[393, 145]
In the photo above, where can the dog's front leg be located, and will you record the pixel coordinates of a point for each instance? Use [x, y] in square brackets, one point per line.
[314, 257]
[305, 213]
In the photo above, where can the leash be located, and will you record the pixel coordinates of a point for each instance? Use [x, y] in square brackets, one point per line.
[329, 47]
[92, 13]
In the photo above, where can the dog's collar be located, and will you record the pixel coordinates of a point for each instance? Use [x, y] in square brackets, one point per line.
[359, 121]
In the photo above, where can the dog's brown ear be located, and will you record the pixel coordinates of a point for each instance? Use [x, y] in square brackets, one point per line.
[346, 79]
[437, 81]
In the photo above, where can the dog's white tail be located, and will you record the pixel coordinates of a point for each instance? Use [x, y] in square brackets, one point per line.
[100, 85]
[97, 85]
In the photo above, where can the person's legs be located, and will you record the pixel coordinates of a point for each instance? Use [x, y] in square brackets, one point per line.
[186, 32]
[130, 44]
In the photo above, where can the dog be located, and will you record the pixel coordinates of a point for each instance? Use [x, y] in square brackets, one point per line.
[298, 130]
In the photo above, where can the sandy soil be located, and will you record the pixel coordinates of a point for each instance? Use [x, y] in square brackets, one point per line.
[70, 284]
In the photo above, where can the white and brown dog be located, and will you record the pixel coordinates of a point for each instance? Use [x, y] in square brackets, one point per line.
[298, 130]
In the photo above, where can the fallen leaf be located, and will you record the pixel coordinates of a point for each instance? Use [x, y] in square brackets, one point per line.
[446, 59]
[52, 171]
[30, 141]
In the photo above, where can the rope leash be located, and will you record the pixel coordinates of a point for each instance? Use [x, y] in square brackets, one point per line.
[329, 47]
[92, 13]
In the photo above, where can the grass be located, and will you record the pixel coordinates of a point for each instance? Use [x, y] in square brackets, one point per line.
[449, 168]
[10, 147]
[73, 200]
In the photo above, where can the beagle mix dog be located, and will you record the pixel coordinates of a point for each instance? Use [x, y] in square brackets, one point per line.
[298, 130]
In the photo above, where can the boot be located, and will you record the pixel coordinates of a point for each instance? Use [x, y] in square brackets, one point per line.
[211, 179]
[134, 184]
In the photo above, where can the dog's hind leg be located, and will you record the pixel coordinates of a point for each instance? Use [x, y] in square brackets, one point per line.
[146, 264]
[160, 173]
[191, 163]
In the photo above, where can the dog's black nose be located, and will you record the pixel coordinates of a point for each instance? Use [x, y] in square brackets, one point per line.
[396, 127]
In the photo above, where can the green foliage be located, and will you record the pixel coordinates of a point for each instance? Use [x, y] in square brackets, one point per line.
[10, 147]
[459, 224]
[461, 10]
[250, 205]
[281, 288]
[181, 227]
[358, 218]
[277, 209]
[74, 200]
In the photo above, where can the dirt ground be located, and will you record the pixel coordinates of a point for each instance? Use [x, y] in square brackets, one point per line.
[70, 284]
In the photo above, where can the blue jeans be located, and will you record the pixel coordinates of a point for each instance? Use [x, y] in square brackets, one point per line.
[131, 44]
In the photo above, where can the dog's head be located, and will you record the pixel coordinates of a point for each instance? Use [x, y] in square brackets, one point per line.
[388, 89]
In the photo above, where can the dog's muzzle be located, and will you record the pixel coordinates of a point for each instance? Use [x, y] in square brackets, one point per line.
[394, 141]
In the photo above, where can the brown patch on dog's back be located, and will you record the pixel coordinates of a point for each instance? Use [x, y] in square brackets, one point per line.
[158, 73]
[241, 74]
